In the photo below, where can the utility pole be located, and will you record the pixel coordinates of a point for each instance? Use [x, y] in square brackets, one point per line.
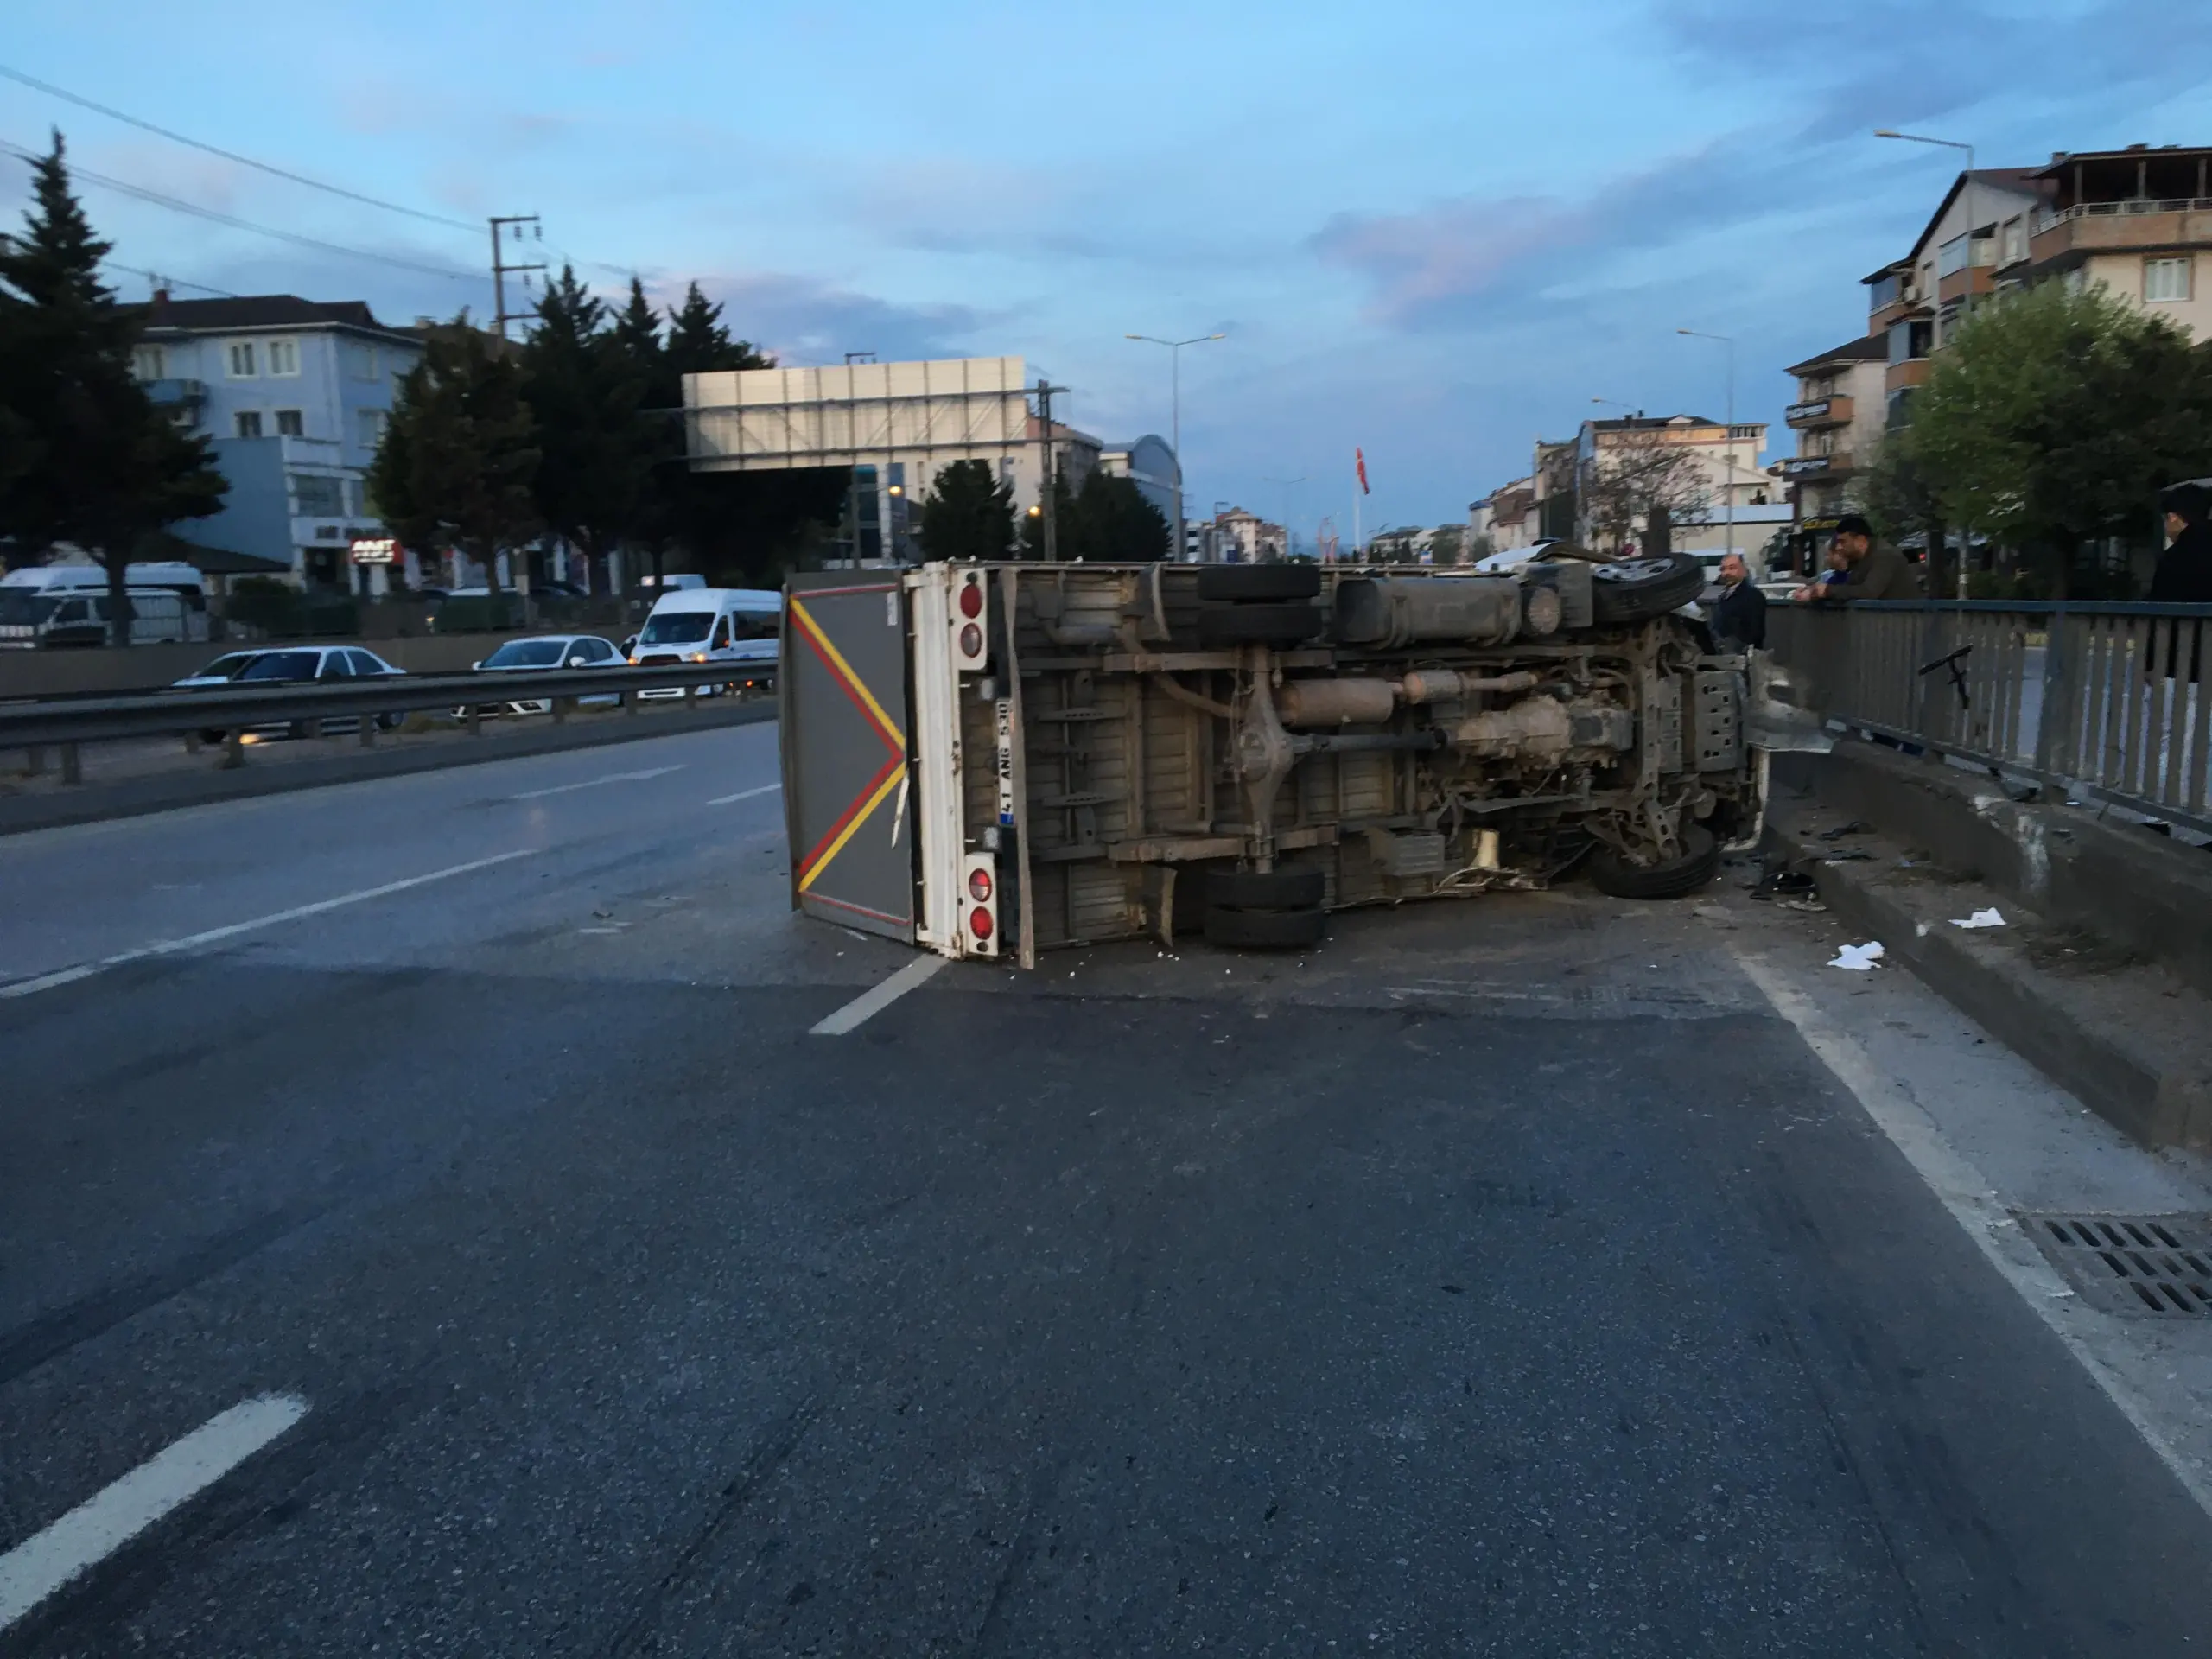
[501, 268]
[1728, 447]
[1175, 414]
[1049, 490]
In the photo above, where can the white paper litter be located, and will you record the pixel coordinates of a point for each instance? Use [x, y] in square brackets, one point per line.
[1859, 959]
[1979, 918]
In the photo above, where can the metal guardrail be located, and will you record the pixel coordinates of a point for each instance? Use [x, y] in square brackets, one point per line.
[68, 723]
[2103, 701]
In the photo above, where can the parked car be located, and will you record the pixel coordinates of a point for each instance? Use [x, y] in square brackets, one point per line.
[307, 666]
[545, 651]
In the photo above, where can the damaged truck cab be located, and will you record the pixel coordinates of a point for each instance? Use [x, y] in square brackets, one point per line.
[1003, 758]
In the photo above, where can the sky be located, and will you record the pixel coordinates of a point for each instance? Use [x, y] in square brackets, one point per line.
[1433, 232]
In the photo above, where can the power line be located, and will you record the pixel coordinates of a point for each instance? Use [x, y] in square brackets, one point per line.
[171, 281]
[53, 90]
[145, 194]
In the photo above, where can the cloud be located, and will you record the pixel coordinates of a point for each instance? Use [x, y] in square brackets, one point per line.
[803, 319]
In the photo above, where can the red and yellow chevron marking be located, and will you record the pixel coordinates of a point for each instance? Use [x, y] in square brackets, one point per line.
[847, 681]
[873, 792]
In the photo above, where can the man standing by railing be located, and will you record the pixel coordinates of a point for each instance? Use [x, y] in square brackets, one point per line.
[2184, 572]
[1739, 615]
[1872, 570]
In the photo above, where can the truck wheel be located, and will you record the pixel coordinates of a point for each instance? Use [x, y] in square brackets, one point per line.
[1247, 583]
[1260, 625]
[1265, 930]
[1701, 860]
[1634, 590]
[1297, 889]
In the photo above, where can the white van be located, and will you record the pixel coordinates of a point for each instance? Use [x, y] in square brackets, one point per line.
[738, 626]
[172, 574]
[32, 619]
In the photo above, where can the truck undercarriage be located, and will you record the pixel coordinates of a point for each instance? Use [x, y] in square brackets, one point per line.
[1100, 752]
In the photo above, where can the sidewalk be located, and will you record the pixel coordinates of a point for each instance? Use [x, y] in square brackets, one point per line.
[2129, 1038]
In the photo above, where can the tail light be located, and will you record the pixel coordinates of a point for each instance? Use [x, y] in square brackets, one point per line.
[980, 905]
[970, 637]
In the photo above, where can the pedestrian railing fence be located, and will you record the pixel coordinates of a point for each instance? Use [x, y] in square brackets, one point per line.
[2099, 700]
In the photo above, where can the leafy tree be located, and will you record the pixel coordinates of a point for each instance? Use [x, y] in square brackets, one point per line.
[2057, 416]
[1444, 545]
[1896, 496]
[459, 460]
[967, 514]
[738, 523]
[586, 392]
[85, 456]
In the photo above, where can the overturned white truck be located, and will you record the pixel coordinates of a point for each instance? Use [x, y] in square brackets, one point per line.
[992, 759]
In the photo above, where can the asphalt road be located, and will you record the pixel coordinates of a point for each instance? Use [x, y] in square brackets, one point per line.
[1506, 1278]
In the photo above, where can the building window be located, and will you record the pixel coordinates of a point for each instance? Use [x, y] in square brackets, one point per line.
[371, 422]
[288, 424]
[149, 363]
[361, 362]
[284, 357]
[242, 366]
[1744, 431]
[2016, 241]
[2166, 279]
[248, 423]
[319, 497]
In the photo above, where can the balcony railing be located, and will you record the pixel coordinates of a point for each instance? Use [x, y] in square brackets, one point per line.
[1798, 467]
[172, 393]
[1833, 410]
[2122, 209]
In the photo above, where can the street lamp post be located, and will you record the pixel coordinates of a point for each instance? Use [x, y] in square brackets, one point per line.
[1175, 416]
[1728, 448]
[1289, 541]
[1948, 144]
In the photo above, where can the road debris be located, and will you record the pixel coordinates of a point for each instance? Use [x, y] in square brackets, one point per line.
[1986, 917]
[1858, 958]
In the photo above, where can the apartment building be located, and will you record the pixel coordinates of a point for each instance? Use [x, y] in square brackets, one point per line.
[295, 394]
[1235, 536]
[1723, 472]
[1506, 518]
[1841, 405]
[2138, 220]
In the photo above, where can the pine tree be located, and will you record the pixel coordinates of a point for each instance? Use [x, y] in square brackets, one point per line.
[87, 458]
[459, 457]
[586, 393]
[968, 513]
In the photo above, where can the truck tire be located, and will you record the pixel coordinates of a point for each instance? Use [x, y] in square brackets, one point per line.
[1247, 583]
[1267, 623]
[1291, 889]
[1265, 930]
[1634, 590]
[1701, 860]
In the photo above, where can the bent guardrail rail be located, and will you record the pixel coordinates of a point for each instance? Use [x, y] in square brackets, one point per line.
[68, 723]
[2101, 700]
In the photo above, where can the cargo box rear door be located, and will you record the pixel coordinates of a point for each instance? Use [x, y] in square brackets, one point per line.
[843, 693]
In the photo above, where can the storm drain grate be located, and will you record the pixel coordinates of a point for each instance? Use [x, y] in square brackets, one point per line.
[2145, 1265]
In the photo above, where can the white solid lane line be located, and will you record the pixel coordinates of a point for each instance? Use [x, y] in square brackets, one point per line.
[594, 783]
[872, 1002]
[215, 935]
[1966, 1193]
[39, 1565]
[745, 794]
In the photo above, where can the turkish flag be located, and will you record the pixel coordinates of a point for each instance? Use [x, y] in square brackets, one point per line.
[1359, 460]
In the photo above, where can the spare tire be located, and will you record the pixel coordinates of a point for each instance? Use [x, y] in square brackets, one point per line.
[1265, 930]
[1701, 860]
[1281, 889]
[1247, 583]
[1634, 590]
[1268, 624]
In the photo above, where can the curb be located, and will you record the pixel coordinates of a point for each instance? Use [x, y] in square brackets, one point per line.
[138, 797]
[2134, 1064]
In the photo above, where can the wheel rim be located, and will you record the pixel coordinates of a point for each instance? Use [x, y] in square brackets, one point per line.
[1634, 570]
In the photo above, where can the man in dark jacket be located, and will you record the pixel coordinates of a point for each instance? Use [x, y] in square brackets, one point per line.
[2184, 572]
[1739, 615]
[1875, 570]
